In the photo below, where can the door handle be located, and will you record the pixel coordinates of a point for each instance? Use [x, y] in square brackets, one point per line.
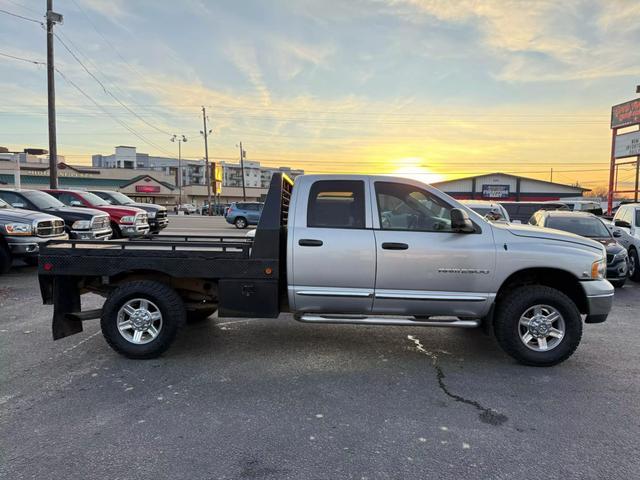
[394, 246]
[309, 242]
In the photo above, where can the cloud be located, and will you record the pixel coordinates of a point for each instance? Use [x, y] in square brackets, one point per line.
[112, 9]
[245, 59]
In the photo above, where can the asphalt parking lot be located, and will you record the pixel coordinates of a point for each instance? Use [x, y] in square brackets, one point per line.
[273, 399]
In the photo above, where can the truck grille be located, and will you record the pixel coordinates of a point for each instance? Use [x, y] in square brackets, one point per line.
[100, 222]
[161, 214]
[49, 228]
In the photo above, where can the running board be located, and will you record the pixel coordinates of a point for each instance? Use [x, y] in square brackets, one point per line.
[383, 320]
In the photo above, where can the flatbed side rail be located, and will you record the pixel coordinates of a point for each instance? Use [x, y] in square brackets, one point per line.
[239, 245]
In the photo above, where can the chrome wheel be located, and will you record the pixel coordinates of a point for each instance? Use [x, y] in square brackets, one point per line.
[632, 265]
[541, 328]
[139, 321]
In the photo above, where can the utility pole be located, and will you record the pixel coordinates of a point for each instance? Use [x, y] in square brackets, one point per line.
[179, 139]
[52, 19]
[242, 155]
[551, 179]
[635, 195]
[206, 132]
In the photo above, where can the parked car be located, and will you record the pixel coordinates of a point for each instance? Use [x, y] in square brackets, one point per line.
[589, 206]
[156, 214]
[627, 223]
[218, 209]
[242, 214]
[490, 210]
[187, 208]
[79, 223]
[324, 251]
[588, 225]
[522, 211]
[125, 221]
[22, 232]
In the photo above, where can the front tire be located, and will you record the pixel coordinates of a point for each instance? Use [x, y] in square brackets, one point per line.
[240, 223]
[538, 325]
[140, 319]
[5, 260]
[115, 231]
[634, 265]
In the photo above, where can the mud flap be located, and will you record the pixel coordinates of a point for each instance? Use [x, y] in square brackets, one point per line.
[66, 299]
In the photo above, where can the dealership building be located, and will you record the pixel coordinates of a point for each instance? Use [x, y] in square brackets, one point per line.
[506, 187]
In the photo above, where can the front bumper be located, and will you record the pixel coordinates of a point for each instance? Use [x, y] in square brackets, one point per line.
[157, 225]
[134, 230]
[618, 270]
[104, 234]
[599, 299]
[29, 246]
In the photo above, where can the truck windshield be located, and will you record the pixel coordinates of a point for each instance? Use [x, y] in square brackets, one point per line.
[42, 200]
[120, 198]
[583, 226]
[94, 200]
[3, 204]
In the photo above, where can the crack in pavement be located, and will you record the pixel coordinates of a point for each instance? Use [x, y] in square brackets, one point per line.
[486, 415]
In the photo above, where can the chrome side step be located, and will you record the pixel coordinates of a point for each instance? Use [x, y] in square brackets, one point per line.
[385, 320]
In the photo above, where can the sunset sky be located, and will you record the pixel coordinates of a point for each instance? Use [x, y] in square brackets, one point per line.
[436, 89]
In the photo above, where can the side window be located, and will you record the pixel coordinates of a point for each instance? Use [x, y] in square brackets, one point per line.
[66, 198]
[336, 204]
[535, 219]
[637, 219]
[14, 199]
[405, 207]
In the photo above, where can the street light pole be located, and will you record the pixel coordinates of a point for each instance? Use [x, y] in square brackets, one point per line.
[205, 132]
[52, 18]
[179, 139]
[242, 155]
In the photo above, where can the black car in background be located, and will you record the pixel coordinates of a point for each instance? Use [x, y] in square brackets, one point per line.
[156, 214]
[588, 225]
[80, 223]
[522, 211]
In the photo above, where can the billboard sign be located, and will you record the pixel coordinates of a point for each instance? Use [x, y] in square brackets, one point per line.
[495, 191]
[147, 189]
[627, 145]
[625, 114]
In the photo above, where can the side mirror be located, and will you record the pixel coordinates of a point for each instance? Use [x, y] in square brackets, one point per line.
[622, 223]
[76, 203]
[18, 205]
[460, 221]
[617, 233]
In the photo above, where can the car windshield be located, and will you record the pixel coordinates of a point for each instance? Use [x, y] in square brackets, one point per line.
[583, 226]
[94, 200]
[42, 200]
[3, 204]
[120, 198]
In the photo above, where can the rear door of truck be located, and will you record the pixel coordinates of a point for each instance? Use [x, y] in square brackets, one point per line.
[331, 257]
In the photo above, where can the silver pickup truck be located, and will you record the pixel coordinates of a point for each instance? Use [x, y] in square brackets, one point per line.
[356, 249]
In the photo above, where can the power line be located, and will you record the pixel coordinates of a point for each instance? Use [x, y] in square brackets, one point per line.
[106, 90]
[35, 62]
[6, 12]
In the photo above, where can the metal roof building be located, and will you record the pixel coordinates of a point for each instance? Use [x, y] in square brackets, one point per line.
[504, 186]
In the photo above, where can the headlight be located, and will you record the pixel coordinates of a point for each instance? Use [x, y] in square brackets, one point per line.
[18, 229]
[619, 256]
[128, 219]
[81, 225]
[151, 214]
[599, 269]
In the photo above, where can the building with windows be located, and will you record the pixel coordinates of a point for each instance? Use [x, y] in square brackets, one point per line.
[255, 175]
[193, 171]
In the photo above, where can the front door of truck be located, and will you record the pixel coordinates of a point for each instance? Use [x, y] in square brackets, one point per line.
[423, 267]
[332, 266]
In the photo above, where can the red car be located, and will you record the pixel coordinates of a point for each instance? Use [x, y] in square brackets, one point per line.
[125, 221]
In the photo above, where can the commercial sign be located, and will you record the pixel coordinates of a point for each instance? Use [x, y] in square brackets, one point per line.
[495, 191]
[218, 181]
[625, 114]
[148, 188]
[627, 145]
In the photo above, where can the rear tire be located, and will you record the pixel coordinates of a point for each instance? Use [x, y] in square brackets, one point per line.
[516, 319]
[5, 260]
[161, 299]
[240, 223]
[634, 265]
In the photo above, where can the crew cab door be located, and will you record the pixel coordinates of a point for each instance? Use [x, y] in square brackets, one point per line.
[624, 222]
[423, 267]
[331, 247]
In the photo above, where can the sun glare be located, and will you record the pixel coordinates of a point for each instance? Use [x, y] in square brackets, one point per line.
[414, 167]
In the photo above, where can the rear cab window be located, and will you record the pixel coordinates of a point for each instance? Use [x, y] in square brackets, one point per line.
[336, 204]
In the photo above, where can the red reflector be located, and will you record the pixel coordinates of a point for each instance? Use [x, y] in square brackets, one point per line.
[48, 267]
[268, 271]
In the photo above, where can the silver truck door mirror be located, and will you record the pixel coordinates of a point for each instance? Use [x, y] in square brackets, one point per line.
[460, 221]
[622, 223]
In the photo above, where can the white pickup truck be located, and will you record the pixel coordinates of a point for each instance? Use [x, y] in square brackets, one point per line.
[357, 249]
